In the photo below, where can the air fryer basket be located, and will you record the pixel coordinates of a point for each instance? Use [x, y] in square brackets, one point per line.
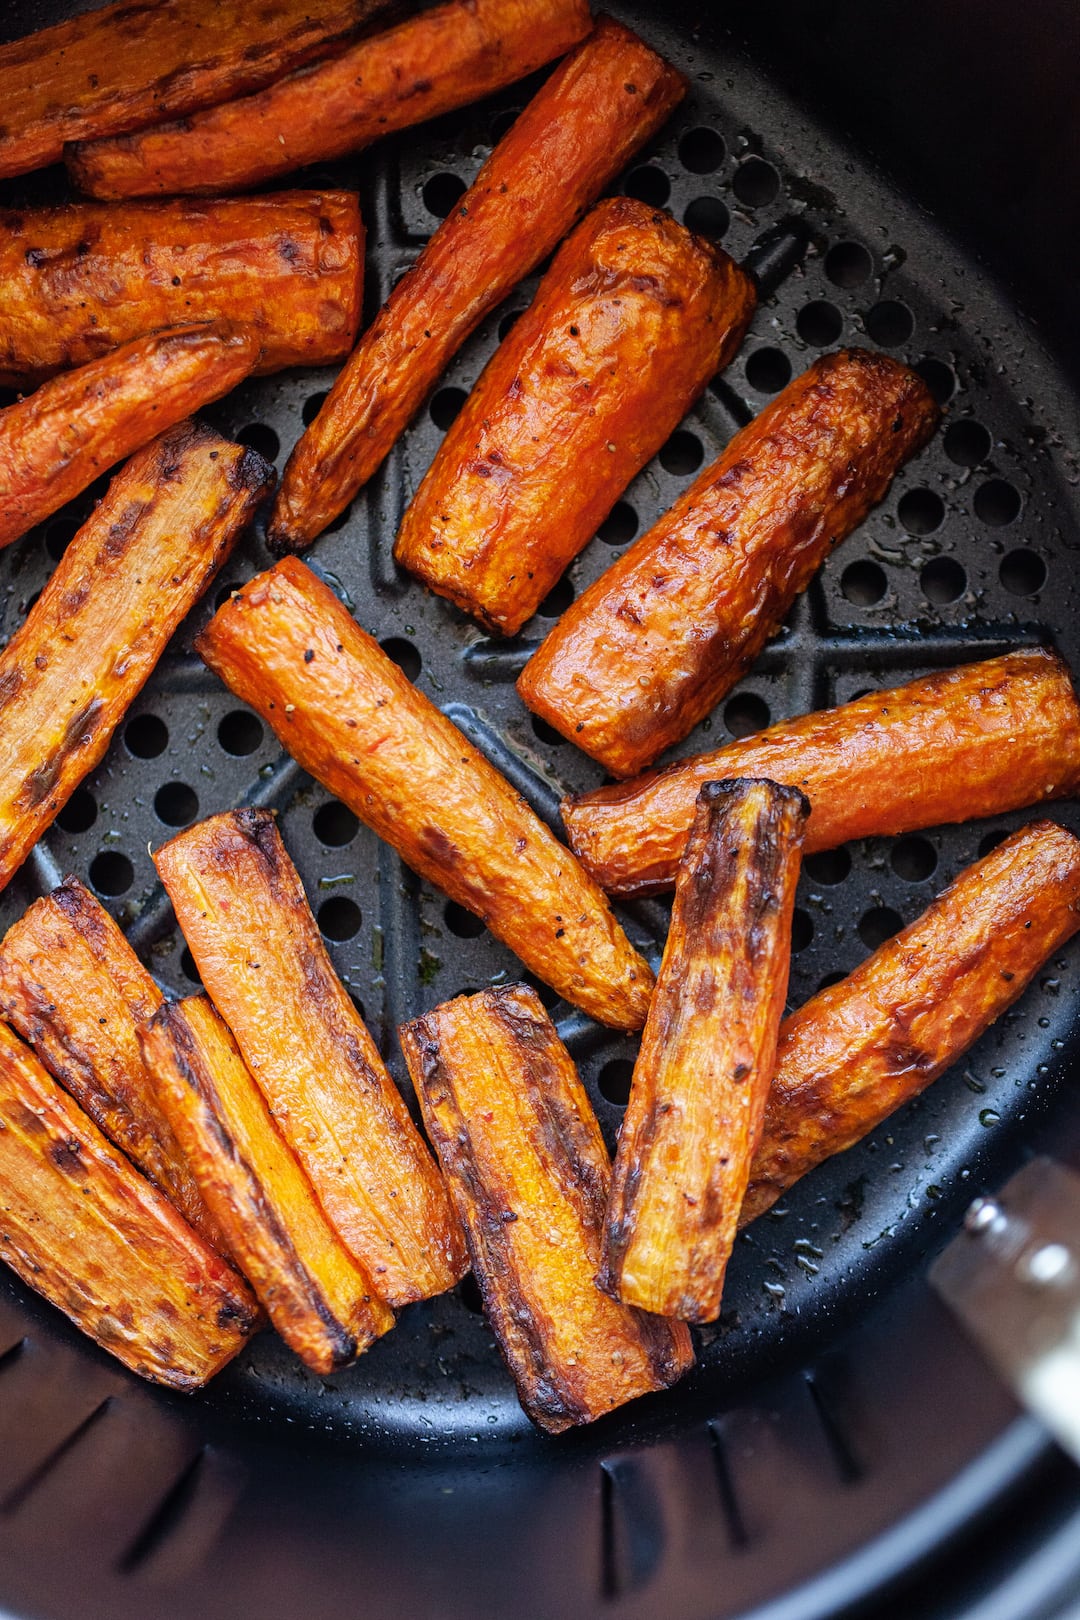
[839, 1433]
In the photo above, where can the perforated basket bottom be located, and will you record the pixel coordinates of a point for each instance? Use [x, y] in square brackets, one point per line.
[809, 1425]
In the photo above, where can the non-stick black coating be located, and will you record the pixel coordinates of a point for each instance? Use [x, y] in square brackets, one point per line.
[839, 1428]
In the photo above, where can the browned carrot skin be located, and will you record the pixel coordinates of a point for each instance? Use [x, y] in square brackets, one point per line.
[242, 909]
[285, 644]
[445, 58]
[135, 568]
[629, 324]
[528, 1172]
[84, 1229]
[962, 743]
[658, 639]
[73, 988]
[697, 1100]
[316, 1295]
[575, 135]
[75, 427]
[858, 1050]
[129, 64]
[78, 281]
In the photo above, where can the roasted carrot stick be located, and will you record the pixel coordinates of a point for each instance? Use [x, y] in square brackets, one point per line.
[139, 562]
[528, 1172]
[242, 909]
[447, 57]
[80, 280]
[73, 988]
[285, 644]
[316, 1295]
[961, 743]
[629, 324]
[573, 137]
[84, 1229]
[56, 442]
[129, 64]
[858, 1050]
[697, 1100]
[659, 638]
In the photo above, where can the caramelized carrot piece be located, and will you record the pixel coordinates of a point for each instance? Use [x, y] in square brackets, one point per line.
[658, 639]
[73, 988]
[58, 441]
[859, 1049]
[629, 324]
[242, 909]
[445, 58]
[80, 280]
[962, 743]
[573, 137]
[285, 644]
[316, 1295]
[84, 1229]
[528, 1172]
[84, 651]
[130, 63]
[702, 1076]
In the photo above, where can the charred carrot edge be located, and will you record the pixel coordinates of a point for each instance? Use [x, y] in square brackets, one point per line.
[698, 1094]
[243, 911]
[73, 988]
[575, 135]
[528, 1172]
[316, 1295]
[958, 744]
[629, 324]
[84, 1229]
[58, 441]
[861, 1048]
[344, 710]
[139, 562]
[129, 64]
[657, 640]
[445, 58]
[80, 280]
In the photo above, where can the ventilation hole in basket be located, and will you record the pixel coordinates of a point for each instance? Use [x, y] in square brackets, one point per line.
[312, 406]
[340, 521]
[468, 1291]
[938, 377]
[682, 454]
[80, 812]
[557, 600]
[1023, 572]
[30, 603]
[225, 592]
[176, 804]
[991, 840]
[261, 438]
[967, 442]
[768, 370]
[614, 1080]
[240, 733]
[442, 192]
[943, 580]
[997, 503]
[707, 216]
[829, 866]
[848, 264]
[829, 979]
[508, 322]
[461, 923]
[921, 511]
[339, 918]
[446, 405]
[404, 655]
[361, 1010]
[863, 583]
[701, 151]
[819, 323]
[649, 185]
[620, 525]
[504, 121]
[334, 824]
[545, 733]
[913, 859]
[889, 323]
[746, 713]
[802, 929]
[547, 995]
[146, 736]
[111, 873]
[188, 968]
[756, 182]
[878, 925]
[59, 536]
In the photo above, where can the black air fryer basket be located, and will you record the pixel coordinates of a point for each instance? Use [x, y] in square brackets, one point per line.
[840, 1446]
